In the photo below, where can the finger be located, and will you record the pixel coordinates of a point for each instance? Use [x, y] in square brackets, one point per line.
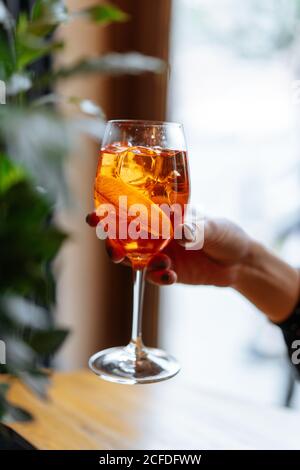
[224, 240]
[164, 277]
[159, 262]
[217, 229]
[114, 251]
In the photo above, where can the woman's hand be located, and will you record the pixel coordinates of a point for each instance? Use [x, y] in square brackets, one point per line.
[225, 248]
[228, 258]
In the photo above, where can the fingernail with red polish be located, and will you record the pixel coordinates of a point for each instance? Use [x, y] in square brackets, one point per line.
[165, 277]
[159, 265]
[92, 219]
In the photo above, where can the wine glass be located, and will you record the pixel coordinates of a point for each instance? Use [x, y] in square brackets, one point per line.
[143, 164]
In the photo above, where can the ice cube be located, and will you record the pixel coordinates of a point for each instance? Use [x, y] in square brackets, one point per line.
[136, 167]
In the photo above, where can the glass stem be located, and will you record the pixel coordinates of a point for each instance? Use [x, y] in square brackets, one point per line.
[138, 296]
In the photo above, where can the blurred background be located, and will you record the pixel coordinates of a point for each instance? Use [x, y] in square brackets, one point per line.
[233, 80]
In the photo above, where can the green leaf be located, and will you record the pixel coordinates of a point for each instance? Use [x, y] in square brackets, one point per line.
[30, 45]
[30, 49]
[30, 242]
[22, 313]
[47, 342]
[38, 382]
[7, 56]
[14, 413]
[85, 106]
[7, 43]
[46, 15]
[22, 23]
[18, 353]
[39, 140]
[6, 19]
[105, 14]
[132, 63]
[4, 387]
[10, 174]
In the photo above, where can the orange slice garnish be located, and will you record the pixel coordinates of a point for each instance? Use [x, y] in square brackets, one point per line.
[152, 219]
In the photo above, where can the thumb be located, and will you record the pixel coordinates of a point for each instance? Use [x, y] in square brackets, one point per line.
[224, 240]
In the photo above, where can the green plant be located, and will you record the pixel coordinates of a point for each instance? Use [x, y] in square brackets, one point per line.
[34, 140]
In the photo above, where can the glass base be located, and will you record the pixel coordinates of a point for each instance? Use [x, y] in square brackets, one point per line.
[130, 365]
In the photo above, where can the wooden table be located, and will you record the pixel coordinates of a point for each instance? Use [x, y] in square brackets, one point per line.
[85, 412]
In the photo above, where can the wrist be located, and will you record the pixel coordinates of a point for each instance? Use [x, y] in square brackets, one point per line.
[268, 282]
[250, 264]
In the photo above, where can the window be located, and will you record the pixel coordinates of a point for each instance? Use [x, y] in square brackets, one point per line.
[233, 87]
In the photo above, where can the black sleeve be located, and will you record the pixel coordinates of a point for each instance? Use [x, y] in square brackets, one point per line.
[291, 333]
